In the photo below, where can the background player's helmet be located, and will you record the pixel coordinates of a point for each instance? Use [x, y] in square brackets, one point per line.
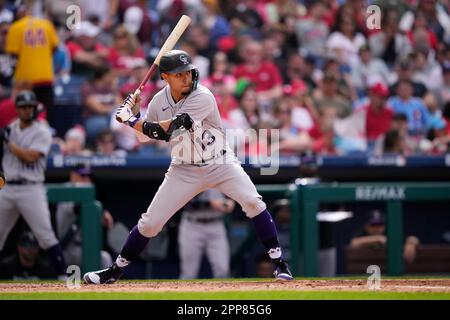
[27, 98]
[175, 61]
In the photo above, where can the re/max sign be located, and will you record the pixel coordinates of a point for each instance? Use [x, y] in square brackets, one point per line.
[380, 193]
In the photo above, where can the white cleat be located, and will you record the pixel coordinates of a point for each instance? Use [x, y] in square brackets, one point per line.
[105, 276]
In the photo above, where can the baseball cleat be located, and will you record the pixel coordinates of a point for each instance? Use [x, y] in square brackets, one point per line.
[282, 272]
[105, 276]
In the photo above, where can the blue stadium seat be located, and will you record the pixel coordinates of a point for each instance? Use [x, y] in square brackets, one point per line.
[68, 104]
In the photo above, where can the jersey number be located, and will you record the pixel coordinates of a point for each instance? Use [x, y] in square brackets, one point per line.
[35, 37]
[207, 139]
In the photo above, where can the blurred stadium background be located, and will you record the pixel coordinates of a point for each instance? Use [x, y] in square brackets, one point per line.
[363, 112]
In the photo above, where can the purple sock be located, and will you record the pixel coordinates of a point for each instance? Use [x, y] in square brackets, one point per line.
[134, 245]
[266, 230]
[57, 259]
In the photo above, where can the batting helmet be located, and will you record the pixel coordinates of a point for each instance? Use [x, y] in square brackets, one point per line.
[175, 61]
[27, 98]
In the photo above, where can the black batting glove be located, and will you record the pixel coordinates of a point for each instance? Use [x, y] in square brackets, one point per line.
[180, 122]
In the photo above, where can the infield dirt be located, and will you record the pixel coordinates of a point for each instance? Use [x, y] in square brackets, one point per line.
[387, 285]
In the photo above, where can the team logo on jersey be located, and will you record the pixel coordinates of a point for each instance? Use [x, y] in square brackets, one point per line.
[184, 59]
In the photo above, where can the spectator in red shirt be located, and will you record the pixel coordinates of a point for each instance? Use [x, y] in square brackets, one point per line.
[322, 133]
[379, 115]
[125, 53]
[86, 53]
[264, 74]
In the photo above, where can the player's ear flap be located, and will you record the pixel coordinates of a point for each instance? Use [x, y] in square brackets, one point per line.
[195, 78]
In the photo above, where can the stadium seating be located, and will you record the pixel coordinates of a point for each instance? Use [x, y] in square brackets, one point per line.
[68, 103]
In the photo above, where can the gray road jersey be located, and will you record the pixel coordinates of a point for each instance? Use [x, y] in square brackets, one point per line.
[208, 139]
[37, 137]
[199, 207]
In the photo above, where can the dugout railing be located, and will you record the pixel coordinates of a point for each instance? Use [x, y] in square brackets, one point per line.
[305, 200]
[91, 215]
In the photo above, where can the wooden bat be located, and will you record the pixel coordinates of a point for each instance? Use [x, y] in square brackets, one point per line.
[170, 43]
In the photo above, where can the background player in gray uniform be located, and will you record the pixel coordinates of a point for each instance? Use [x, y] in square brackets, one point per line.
[202, 229]
[186, 114]
[26, 145]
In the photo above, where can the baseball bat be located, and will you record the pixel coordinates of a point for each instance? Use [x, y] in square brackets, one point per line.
[173, 38]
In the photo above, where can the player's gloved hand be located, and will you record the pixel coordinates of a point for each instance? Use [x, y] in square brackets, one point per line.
[125, 115]
[132, 102]
[4, 134]
[180, 122]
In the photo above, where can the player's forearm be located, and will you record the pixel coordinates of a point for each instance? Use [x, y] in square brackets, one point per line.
[149, 129]
[139, 126]
[366, 240]
[28, 156]
[90, 58]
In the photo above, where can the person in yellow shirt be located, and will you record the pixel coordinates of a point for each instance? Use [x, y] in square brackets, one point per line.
[32, 41]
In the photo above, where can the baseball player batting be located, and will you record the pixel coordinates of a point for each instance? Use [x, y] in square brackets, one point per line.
[26, 144]
[181, 109]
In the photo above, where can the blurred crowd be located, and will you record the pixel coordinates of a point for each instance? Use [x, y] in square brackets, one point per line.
[315, 70]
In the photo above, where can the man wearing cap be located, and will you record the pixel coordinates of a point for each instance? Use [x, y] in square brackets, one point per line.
[26, 144]
[373, 235]
[379, 115]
